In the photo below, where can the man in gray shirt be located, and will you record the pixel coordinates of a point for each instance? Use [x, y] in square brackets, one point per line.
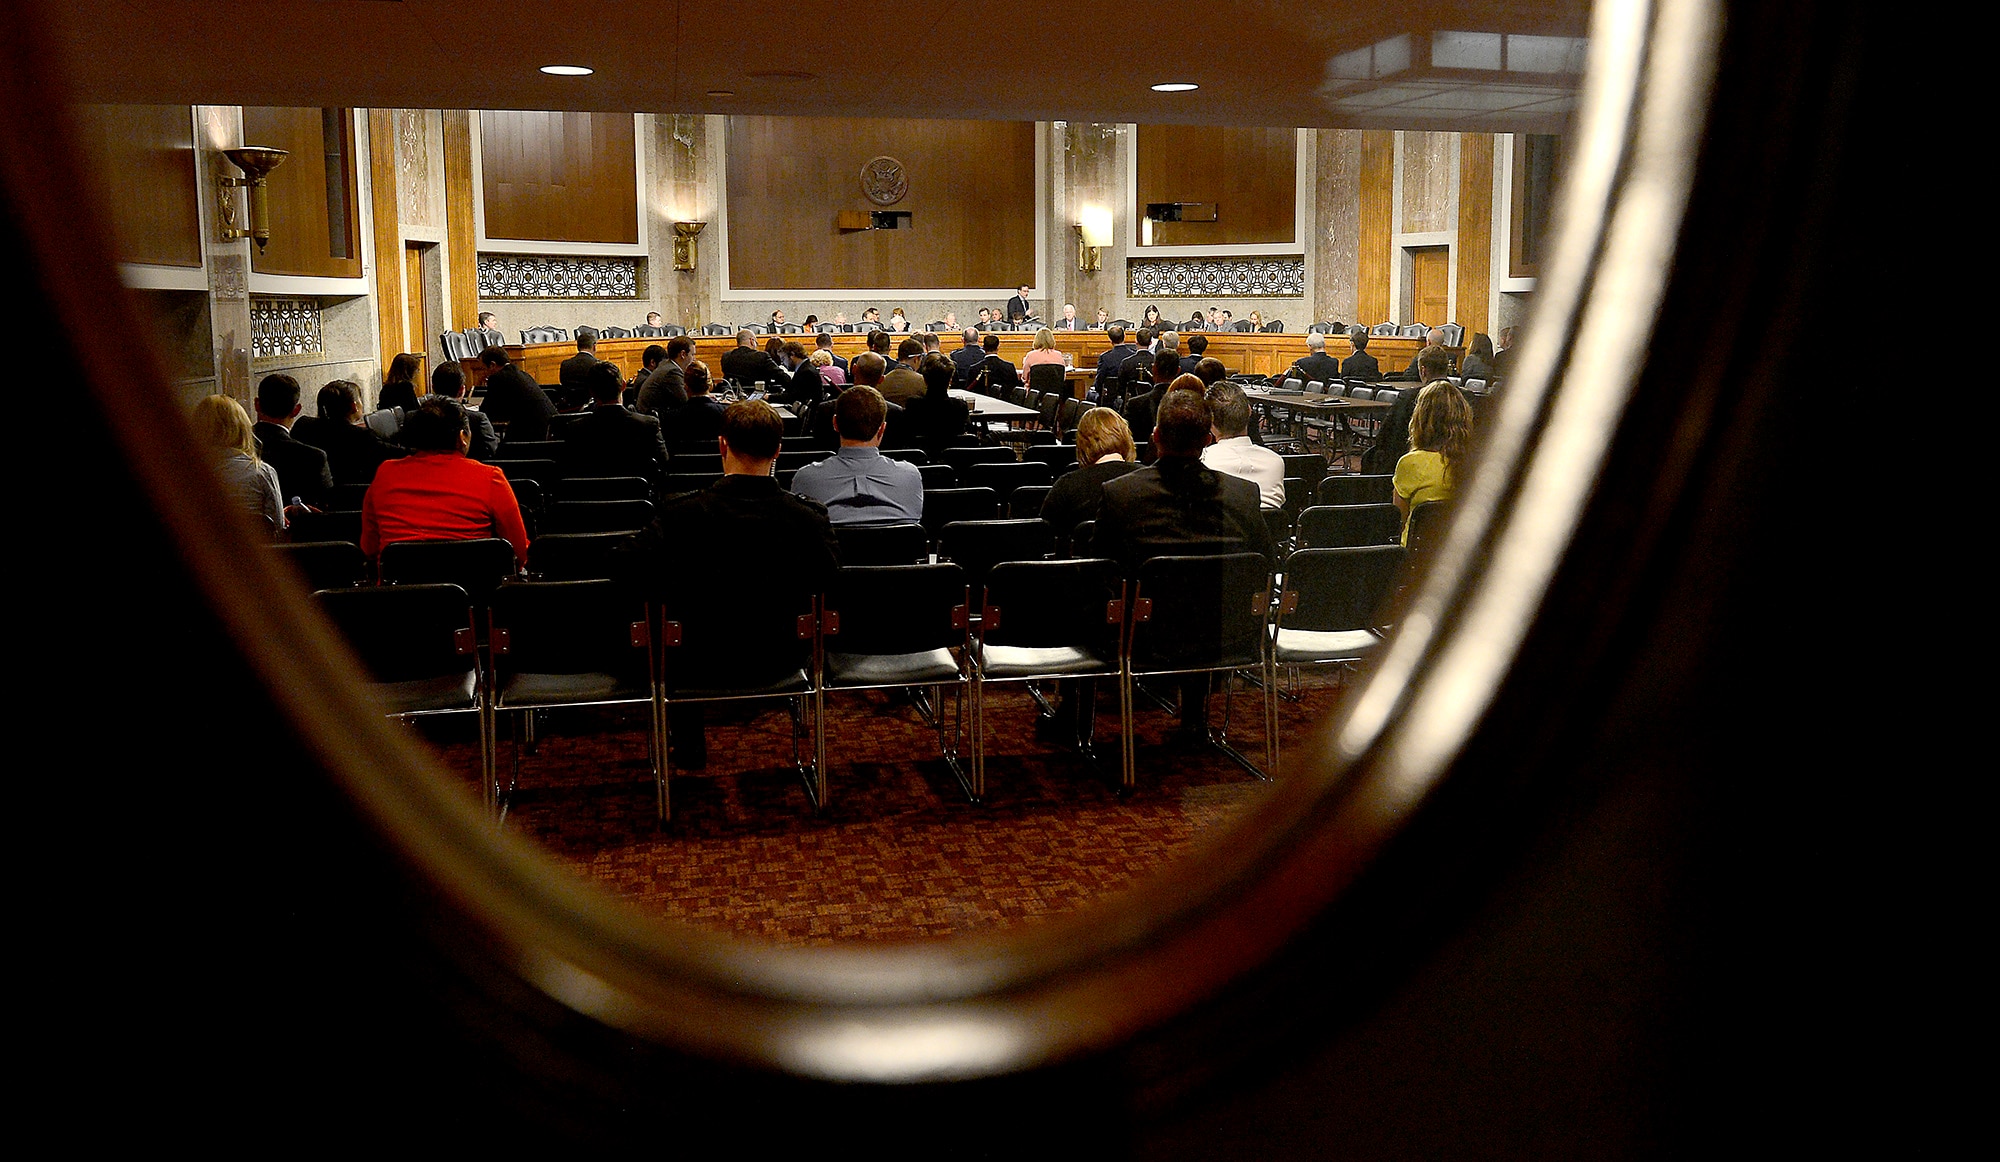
[859, 485]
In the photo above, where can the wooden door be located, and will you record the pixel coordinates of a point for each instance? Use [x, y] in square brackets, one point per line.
[1430, 285]
[416, 328]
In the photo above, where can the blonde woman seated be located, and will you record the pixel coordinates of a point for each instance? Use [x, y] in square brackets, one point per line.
[1440, 441]
[1105, 451]
[829, 371]
[1044, 351]
[251, 484]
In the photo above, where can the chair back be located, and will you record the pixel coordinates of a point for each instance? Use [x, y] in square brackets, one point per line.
[405, 633]
[1452, 334]
[1427, 525]
[942, 506]
[1069, 416]
[1199, 612]
[615, 333]
[1367, 489]
[978, 545]
[898, 544]
[1059, 457]
[1027, 500]
[938, 476]
[570, 628]
[544, 472]
[603, 488]
[1279, 520]
[1047, 377]
[599, 516]
[1383, 328]
[1004, 478]
[1040, 604]
[1344, 526]
[1298, 495]
[1330, 590]
[1415, 330]
[707, 463]
[575, 556]
[475, 566]
[325, 564]
[895, 609]
[1307, 466]
[327, 526]
[962, 458]
[1275, 327]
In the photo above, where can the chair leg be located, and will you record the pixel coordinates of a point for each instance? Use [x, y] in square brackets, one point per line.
[1222, 742]
[816, 784]
[1126, 774]
[663, 769]
[1270, 716]
[978, 695]
[489, 774]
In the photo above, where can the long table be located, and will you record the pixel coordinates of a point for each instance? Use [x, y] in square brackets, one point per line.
[1251, 352]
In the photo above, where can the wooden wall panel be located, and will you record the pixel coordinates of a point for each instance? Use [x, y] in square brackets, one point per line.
[1250, 174]
[971, 201]
[460, 231]
[1377, 194]
[300, 216]
[145, 163]
[391, 296]
[1475, 231]
[559, 177]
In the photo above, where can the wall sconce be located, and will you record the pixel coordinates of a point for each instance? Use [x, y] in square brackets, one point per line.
[256, 162]
[1093, 234]
[684, 247]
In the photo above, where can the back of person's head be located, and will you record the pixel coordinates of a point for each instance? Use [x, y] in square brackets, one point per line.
[821, 357]
[937, 371]
[1506, 336]
[773, 347]
[1482, 345]
[494, 357]
[278, 394]
[822, 339]
[224, 425]
[746, 337]
[1210, 371]
[878, 342]
[436, 425]
[448, 380]
[1442, 422]
[1115, 333]
[1045, 339]
[605, 381]
[1101, 432]
[867, 367]
[930, 341]
[651, 356]
[1170, 341]
[678, 346]
[971, 336]
[486, 320]
[697, 378]
[1197, 344]
[992, 342]
[1433, 363]
[1145, 336]
[403, 368]
[909, 349]
[340, 400]
[1181, 426]
[859, 412]
[1166, 365]
[1228, 409]
[586, 339]
[793, 350]
[1316, 343]
[1357, 337]
[753, 430]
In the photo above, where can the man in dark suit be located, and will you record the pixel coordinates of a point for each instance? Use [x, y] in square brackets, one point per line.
[824, 342]
[1141, 406]
[448, 382]
[1316, 365]
[514, 398]
[573, 370]
[995, 376]
[700, 418]
[666, 388]
[744, 364]
[650, 358]
[1018, 309]
[739, 534]
[800, 386]
[1197, 345]
[1179, 505]
[613, 440]
[1360, 365]
[1069, 321]
[1111, 363]
[966, 360]
[302, 469]
[1138, 370]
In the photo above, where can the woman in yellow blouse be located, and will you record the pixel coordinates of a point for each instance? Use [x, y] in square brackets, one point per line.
[1440, 441]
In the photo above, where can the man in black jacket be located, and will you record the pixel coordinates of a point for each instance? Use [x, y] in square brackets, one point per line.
[302, 469]
[1105, 385]
[514, 398]
[666, 388]
[1360, 365]
[744, 364]
[1317, 365]
[614, 440]
[573, 370]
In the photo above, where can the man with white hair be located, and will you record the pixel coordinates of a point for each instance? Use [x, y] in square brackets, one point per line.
[1068, 322]
[1317, 364]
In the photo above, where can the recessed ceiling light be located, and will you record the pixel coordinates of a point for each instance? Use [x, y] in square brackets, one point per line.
[1175, 87]
[567, 70]
[722, 92]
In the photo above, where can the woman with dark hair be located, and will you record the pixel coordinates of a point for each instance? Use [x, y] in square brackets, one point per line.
[1440, 441]
[399, 386]
[1151, 318]
[353, 450]
[436, 493]
[225, 428]
[1478, 361]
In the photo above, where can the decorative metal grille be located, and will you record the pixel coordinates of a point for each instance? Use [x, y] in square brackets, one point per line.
[1200, 278]
[283, 327]
[527, 276]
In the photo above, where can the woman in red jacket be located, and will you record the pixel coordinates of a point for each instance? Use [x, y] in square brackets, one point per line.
[436, 493]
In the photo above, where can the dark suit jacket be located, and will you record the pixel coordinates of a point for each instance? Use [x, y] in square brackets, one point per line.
[747, 365]
[664, 389]
[1140, 408]
[999, 375]
[928, 424]
[515, 399]
[1176, 505]
[965, 363]
[1076, 324]
[1321, 367]
[1079, 495]
[1394, 439]
[700, 419]
[1361, 365]
[398, 395]
[801, 386]
[1189, 362]
[573, 369]
[485, 441]
[1017, 306]
[1109, 366]
[353, 453]
[302, 469]
[613, 440]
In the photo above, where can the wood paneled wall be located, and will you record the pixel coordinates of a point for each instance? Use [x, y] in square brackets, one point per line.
[461, 249]
[145, 161]
[300, 213]
[559, 177]
[1377, 198]
[1475, 231]
[391, 293]
[1250, 174]
[971, 201]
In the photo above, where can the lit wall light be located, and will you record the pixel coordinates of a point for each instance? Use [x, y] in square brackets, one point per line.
[567, 70]
[256, 162]
[1093, 233]
[684, 247]
[1175, 87]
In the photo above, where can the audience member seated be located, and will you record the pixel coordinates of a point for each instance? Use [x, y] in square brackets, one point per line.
[303, 473]
[1478, 361]
[1432, 338]
[1360, 365]
[448, 382]
[1212, 372]
[573, 370]
[1044, 350]
[399, 384]
[1393, 439]
[1105, 450]
[822, 360]
[1316, 365]
[1137, 370]
[1232, 451]
[744, 364]
[250, 483]
[934, 420]
[859, 485]
[353, 452]
[824, 342]
[995, 376]
[903, 383]
[1141, 407]
[1197, 347]
[667, 388]
[613, 440]
[650, 358]
[1505, 355]
[1111, 365]
[513, 398]
[436, 494]
[800, 386]
[701, 417]
[1440, 441]
[966, 359]
[741, 533]
[878, 342]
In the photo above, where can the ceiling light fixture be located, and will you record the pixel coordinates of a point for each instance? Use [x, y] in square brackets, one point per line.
[1175, 87]
[567, 70]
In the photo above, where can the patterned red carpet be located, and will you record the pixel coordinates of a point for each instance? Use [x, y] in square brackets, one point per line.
[898, 854]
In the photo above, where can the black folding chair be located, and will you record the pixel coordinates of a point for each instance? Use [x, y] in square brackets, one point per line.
[938, 476]
[1059, 457]
[1199, 615]
[1356, 490]
[1334, 604]
[603, 488]
[898, 544]
[1027, 500]
[543, 472]
[1004, 478]
[326, 564]
[476, 566]
[978, 545]
[575, 556]
[945, 505]
[1343, 526]
[599, 516]
[1298, 495]
[962, 458]
[897, 626]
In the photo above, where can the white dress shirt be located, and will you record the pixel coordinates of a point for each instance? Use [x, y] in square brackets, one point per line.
[1262, 467]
